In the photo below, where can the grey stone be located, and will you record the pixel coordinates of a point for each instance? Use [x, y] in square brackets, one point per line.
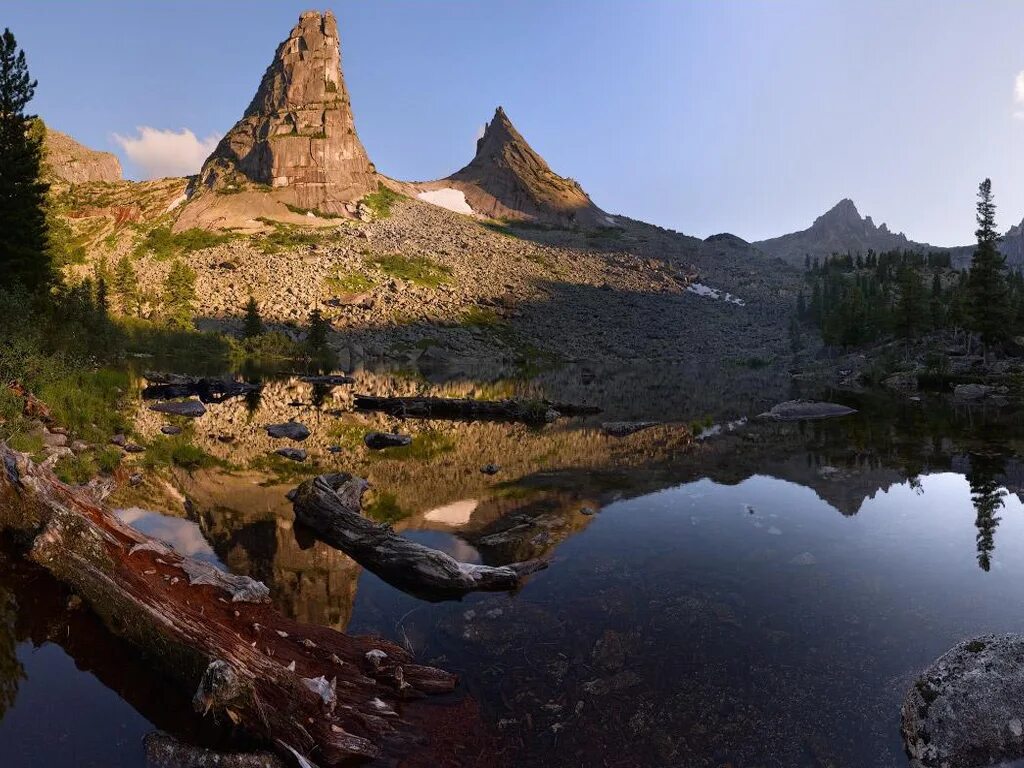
[967, 708]
[803, 410]
[295, 454]
[292, 430]
[623, 428]
[190, 408]
[380, 440]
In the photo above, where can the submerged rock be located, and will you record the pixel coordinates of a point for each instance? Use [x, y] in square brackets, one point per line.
[333, 380]
[292, 430]
[970, 392]
[191, 408]
[967, 709]
[170, 429]
[802, 410]
[379, 440]
[490, 469]
[623, 428]
[295, 454]
[165, 751]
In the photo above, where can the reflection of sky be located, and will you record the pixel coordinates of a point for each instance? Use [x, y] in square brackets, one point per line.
[183, 535]
[770, 599]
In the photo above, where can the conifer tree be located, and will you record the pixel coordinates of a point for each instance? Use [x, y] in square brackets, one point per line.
[24, 255]
[125, 285]
[316, 333]
[253, 326]
[989, 308]
[179, 294]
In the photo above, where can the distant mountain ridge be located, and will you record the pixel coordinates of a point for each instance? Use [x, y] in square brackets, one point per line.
[842, 229]
[838, 230]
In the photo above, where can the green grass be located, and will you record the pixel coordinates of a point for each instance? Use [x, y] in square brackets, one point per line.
[280, 470]
[381, 202]
[272, 345]
[481, 317]
[76, 470]
[286, 237]
[163, 244]
[424, 447]
[349, 281]
[384, 508]
[347, 435]
[147, 337]
[178, 451]
[418, 270]
[314, 211]
[89, 403]
[26, 442]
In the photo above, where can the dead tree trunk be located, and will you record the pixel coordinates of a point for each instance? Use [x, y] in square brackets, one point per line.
[528, 411]
[331, 506]
[305, 689]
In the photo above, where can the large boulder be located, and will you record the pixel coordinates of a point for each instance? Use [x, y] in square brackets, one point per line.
[191, 408]
[804, 410]
[291, 430]
[967, 709]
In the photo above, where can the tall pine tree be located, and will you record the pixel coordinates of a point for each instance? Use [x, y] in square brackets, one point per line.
[24, 256]
[989, 305]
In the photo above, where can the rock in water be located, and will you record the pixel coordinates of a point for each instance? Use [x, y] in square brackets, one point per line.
[379, 440]
[295, 454]
[624, 428]
[298, 135]
[191, 408]
[292, 430]
[967, 709]
[803, 410]
[165, 751]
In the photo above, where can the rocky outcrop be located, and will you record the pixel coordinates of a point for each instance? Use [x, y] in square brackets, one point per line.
[805, 410]
[507, 179]
[297, 138]
[839, 230]
[968, 707]
[75, 163]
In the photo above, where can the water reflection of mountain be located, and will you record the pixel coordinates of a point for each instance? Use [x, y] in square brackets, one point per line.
[548, 475]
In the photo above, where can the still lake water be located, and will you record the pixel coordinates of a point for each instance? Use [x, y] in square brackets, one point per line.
[761, 598]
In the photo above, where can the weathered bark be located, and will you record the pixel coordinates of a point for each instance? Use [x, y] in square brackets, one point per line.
[323, 694]
[331, 507]
[528, 411]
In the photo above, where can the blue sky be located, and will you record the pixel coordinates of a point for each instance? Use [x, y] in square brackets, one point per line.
[751, 117]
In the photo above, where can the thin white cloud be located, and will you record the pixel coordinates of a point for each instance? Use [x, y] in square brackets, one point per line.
[1018, 95]
[159, 153]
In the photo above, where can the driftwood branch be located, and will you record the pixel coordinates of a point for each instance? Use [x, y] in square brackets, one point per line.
[331, 507]
[303, 688]
[528, 411]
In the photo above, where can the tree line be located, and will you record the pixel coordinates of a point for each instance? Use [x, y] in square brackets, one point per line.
[859, 299]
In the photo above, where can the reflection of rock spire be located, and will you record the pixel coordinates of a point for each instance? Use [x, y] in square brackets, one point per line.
[987, 495]
[10, 668]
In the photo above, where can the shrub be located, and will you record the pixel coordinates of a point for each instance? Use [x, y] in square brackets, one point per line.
[381, 202]
[416, 269]
[163, 244]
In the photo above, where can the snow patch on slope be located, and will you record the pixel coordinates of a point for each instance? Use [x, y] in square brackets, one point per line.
[714, 293]
[452, 199]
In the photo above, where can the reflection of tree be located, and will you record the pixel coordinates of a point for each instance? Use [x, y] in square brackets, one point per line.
[987, 496]
[11, 670]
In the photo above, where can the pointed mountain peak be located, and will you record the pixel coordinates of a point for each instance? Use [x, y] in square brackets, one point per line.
[298, 134]
[508, 179]
[842, 213]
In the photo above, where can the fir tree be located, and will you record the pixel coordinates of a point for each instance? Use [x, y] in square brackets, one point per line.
[909, 314]
[253, 326]
[989, 309]
[24, 252]
[316, 332]
[179, 294]
[125, 285]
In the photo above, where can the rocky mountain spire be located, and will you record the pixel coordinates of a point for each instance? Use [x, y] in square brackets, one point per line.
[508, 179]
[298, 135]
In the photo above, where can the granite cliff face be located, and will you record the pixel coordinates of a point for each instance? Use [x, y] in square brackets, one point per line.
[507, 179]
[69, 161]
[838, 230]
[298, 136]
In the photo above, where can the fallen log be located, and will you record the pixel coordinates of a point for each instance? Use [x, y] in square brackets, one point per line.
[171, 386]
[331, 507]
[300, 688]
[527, 411]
